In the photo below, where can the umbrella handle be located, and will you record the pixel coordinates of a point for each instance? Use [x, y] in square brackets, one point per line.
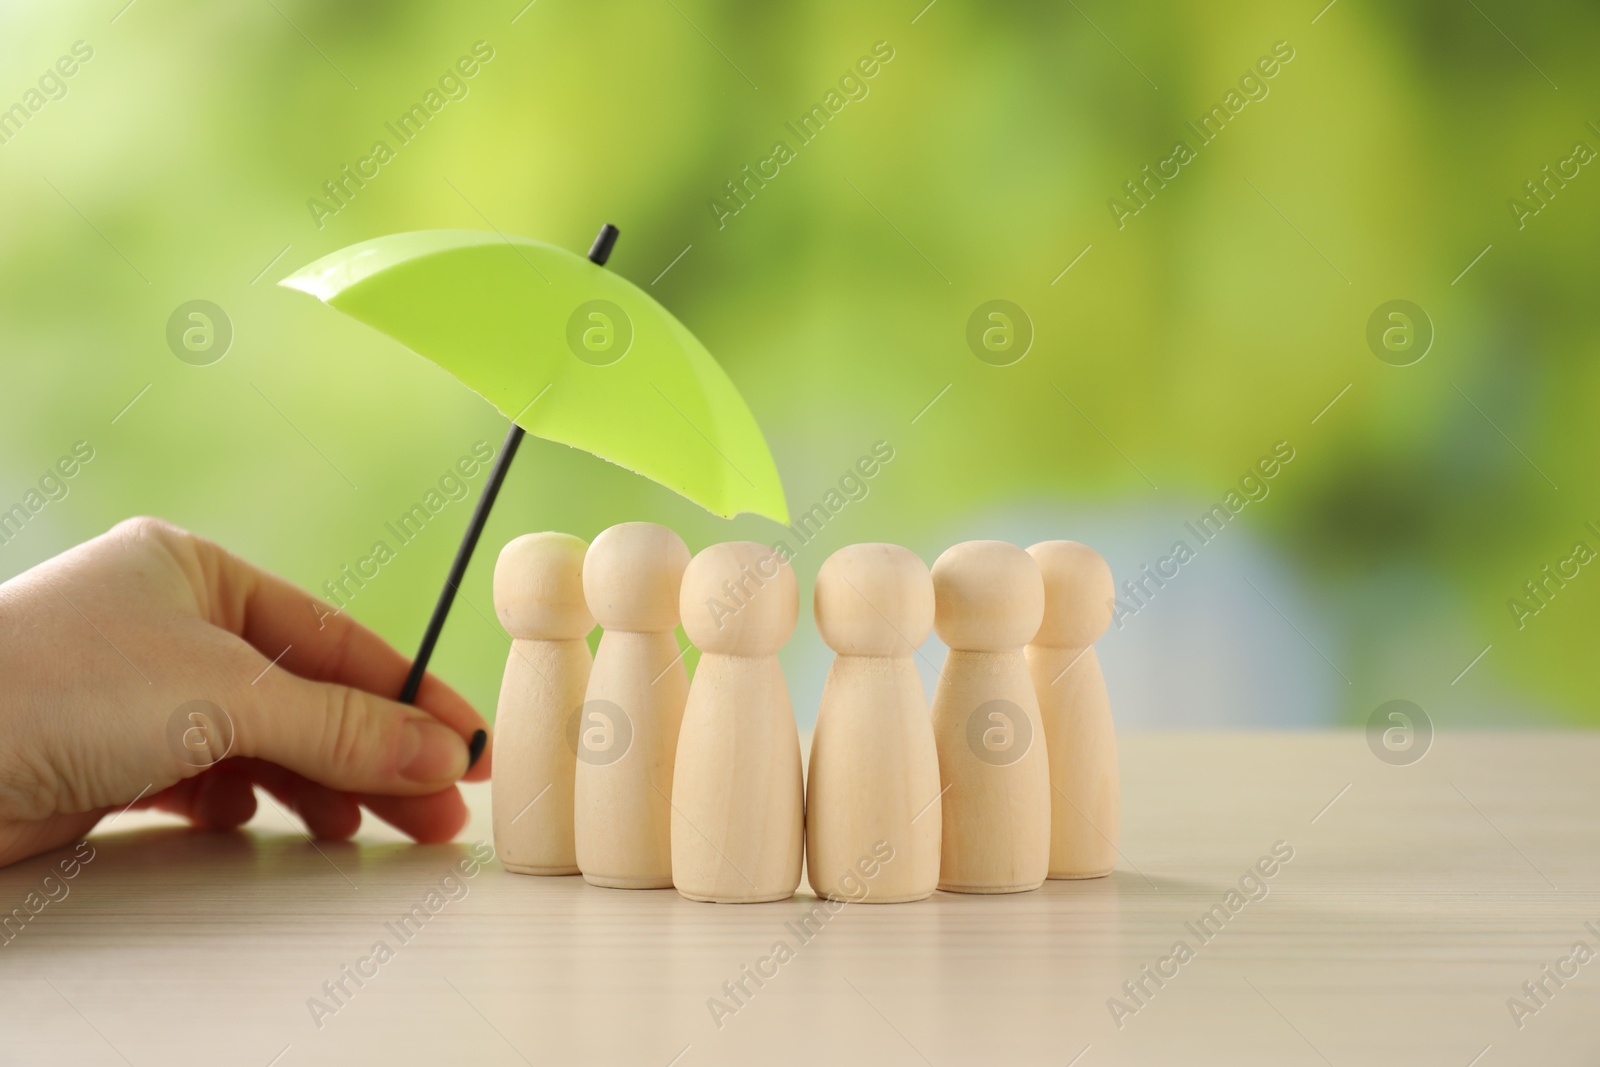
[598, 254]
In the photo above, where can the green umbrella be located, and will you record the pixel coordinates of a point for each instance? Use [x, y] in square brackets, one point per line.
[569, 352]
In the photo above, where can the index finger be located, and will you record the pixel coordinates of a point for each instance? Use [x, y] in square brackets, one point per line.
[309, 638]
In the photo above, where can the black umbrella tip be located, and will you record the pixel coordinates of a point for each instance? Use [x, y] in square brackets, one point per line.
[604, 242]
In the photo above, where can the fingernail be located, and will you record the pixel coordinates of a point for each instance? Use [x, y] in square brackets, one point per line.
[430, 752]
[480, 738]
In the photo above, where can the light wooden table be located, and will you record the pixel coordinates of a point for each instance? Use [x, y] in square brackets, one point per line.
[1416, 904]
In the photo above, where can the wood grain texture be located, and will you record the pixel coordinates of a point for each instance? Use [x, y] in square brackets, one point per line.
[628, 729]
[1415, 904]
[538, 594]
[1075, 708]
[872, 784]
[995, 826]
[738, 793]
[541, 694]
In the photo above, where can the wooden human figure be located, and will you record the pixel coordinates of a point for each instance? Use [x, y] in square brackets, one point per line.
[538, 596]
[738, 810]
[1084, 804]
[988, 602]
[627, 732]
[873, 783]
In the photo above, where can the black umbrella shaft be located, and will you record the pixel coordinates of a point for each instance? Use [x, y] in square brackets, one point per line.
[458, 569]
[604, 242]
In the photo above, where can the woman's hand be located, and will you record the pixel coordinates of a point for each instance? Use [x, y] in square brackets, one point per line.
[116, 655]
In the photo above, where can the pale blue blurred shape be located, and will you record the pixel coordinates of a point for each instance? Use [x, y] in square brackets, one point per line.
[1206, 652]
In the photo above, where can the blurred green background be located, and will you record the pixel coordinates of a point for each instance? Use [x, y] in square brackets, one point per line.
[1378, 163]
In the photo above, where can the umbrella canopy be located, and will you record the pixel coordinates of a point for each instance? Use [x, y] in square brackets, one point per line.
[565, 348]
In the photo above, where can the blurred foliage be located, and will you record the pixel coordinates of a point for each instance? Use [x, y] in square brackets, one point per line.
[1222, 318]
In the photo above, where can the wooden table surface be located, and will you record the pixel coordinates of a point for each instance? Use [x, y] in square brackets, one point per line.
[1418, 901]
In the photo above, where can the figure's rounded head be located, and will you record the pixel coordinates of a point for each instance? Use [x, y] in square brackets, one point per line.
[538, 587]
[988, 597]
[631, 577]
[1079, 594]
[739, 598]
[874, 600]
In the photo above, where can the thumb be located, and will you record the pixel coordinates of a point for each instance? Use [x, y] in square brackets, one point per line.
[347, 739]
